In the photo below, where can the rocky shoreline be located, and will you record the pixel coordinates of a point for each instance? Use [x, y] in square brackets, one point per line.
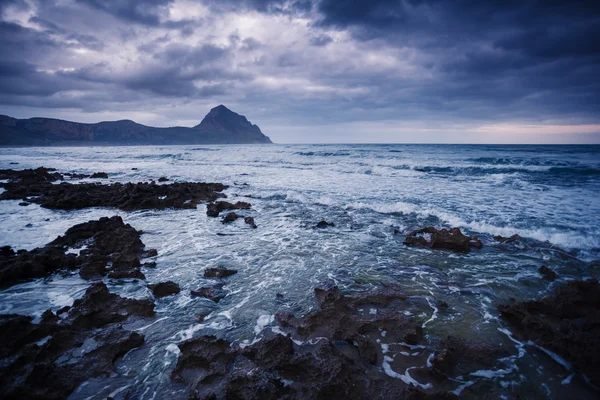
[339, 350]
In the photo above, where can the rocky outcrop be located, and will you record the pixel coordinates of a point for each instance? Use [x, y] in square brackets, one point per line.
[164, 289]
[324, 224]
[220, 126]
[107, 247]
[129, 196]
[457, 355]
[215, 294]
[330, 353]
[219, 272]
[214, 209]
[448, 239]
[566, 322]
[51, 359]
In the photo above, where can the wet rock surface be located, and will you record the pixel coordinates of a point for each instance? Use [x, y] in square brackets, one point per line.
[107, 247]
[509, 239]
[99, 175]
[215, 294]
[457, 355]
[30, 176]
[250, 221]
[324, 224]
[164, 289]
[214, 209]
[566, 322]
[230, 217]
[547, 273]
[51, 359]
[330, 353]
[128, 196]
[219, 272]
[448, 239]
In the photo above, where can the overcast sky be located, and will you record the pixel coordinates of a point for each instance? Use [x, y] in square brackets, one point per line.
[313, 71]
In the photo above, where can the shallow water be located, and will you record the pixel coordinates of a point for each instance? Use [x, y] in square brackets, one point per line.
[547, 194]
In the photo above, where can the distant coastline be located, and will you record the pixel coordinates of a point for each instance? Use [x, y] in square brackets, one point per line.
[219, 126]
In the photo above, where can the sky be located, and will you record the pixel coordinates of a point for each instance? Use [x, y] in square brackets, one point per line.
[313, 71]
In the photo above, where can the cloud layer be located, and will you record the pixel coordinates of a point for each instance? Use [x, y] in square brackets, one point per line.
[328, 70]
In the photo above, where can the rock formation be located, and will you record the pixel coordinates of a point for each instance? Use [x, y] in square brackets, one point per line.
[220, 126]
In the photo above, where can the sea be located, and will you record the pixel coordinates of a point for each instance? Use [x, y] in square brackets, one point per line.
[375, 195]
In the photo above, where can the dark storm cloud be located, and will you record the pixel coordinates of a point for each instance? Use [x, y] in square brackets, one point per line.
[321, 40]
[353, 60]
[145, 12]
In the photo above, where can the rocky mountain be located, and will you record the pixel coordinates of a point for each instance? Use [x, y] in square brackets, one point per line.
[220, 126]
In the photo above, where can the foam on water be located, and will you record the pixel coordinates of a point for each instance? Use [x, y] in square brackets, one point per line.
[546, 194]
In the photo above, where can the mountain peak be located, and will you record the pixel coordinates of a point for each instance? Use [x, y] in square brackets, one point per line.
[222, 120]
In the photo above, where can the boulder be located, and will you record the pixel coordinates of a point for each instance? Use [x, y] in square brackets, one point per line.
[250, 221]
[215, 294]
[448, 239]
[214, 209]
[164, 289]
[219, 272]
[566, 322]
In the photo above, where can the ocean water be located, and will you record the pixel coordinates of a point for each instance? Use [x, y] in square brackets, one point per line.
[549, 195]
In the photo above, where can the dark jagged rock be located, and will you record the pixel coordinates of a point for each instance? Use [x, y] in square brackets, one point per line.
[73, 175]
[99, 175]
[324, 224]
[230, 217]
[510, 239]
[215, 294]
[52, 358]
[109, 247]
[163, 179]
[129, 196]
[250, 221]
[24, 204]
[214, 209]
[30, 176]
[6, 251]
[277, 367]
[458, 354]
[340, 319]
[164, 289]
[547, 273]
[219, 272]
[449, 239]
[566, 322]
[99, 307]
[220, 126]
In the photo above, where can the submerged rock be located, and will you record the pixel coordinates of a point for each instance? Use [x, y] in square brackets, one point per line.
[547, 273]
[107, 246]
[250, 221]
[214, 209]
[215, 294]
[129, 196]
[449, 239]
[51, 359]
[510, 239]
[566, 322]
[164, 289]
[219, 272]
[459, 355]
[324, 224]
[99, 175]
[163, 179]
[230, 217]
